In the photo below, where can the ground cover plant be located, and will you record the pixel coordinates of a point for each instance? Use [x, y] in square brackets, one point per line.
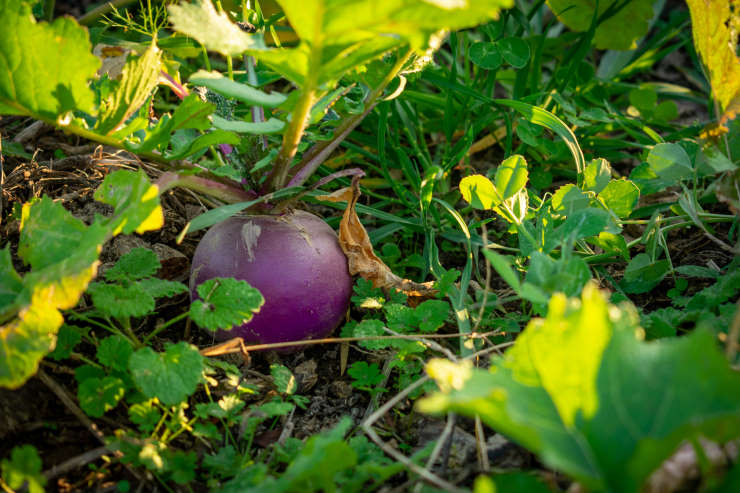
[534, 283]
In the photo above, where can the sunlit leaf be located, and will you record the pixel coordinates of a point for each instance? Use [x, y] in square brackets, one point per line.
[170, 376]
[620, 196]
[511, 176]
[479, 192]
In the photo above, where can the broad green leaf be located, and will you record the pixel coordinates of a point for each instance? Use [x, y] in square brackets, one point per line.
[621, 197]
[98, 396]
[582, 223]
[24, 467]
[486, 55]
[161, 288]
[597, 175]
[271, 126]
[114, 352]
[339, 36]
[236, 90]
[202, 142]
[715, 29]
[44, 68]
[619, 32]
[121, 300]
[511, 176]
[431, 315]
[283, 378]
[135, 200]
[224, 303]
[670, 162]
[212, 29]
[565, 275]
[170, 376]
[67, 338]
[138, 79]
[568, 199]
[515, 51]
[581, 390]
[612, 243]
[479, 192]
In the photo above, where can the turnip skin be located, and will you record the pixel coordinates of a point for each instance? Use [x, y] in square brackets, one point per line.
[294, 260]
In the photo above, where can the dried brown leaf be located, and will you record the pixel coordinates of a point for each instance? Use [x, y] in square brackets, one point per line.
[356, 245]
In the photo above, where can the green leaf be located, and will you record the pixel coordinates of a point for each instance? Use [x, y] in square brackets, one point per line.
[597, 175]
[236, 90]
[642, 274]
[44, 68]
[121, 300]
[139, 77]
[714, 26]
[479, 192]
[11, 283]
[145, 414]
[136, 264]
[511, 176]
[135, 200]
[431, 315]
[161, 288]
[568, 199]
[270, 126]
[592, 400]
[515, 51]
[201, 142]
[212, 29]
[612, 243]
[171, 376]
[182, 466]
[67, 338]
[224, 303]
[97, 396]
[670, 162]
[365, 376]
[566, 275]
[48, 233]
[371, 328]
[486, 55]
[619, 32]
[502, 265]
[114, 352]
[24, 467]
[283, 379]
[621, 197]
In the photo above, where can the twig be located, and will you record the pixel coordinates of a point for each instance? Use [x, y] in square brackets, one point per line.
[429, 343]
[76, 462]
[443, 441]
[480, 442]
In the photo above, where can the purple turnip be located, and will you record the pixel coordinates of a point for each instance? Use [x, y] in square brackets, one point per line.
[293, 259]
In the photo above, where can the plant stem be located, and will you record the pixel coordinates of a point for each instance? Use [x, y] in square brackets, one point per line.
[216, 189]
[313, 158]
[291, 138]
[99, 12]
[164, 326]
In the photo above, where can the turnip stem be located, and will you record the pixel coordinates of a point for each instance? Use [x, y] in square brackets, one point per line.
[313, 158]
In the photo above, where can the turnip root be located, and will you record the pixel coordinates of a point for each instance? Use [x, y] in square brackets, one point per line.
[293, 259]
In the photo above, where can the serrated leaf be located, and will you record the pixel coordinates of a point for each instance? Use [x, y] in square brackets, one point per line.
[621, 197]
[583, 392]
[48, 233]
[138, 80]
[371, 328]
[364, 375]
[136, 264]
[114, 352]
[135, 200]
[511, 176]
[224, 303]
[670, 162]
[98, 396]
[67, 338]
[145, 415]
[236, 90]
[170, 376]
[619, 32]
[212, 29]
[121, 300]
[44, 68]
[400, 318]
[479, 192]
[161, 288]
[24, 467]
[715, 31]
[431, 315]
